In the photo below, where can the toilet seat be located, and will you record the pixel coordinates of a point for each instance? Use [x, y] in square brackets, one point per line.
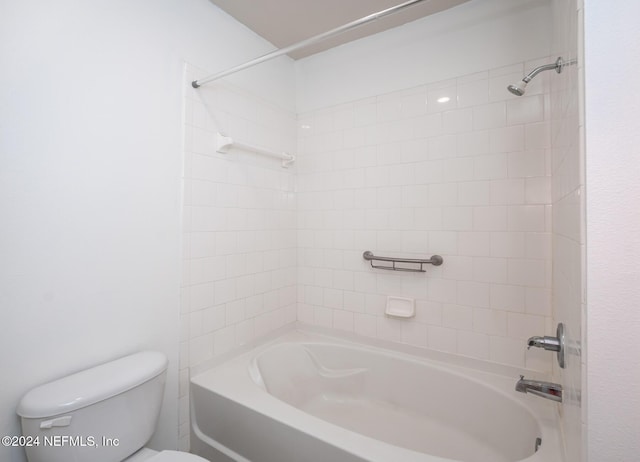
[175, 456]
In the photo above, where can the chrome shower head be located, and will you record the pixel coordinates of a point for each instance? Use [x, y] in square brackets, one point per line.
[519, 89]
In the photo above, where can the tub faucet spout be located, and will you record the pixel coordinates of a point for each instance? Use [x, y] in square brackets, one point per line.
[548, 390]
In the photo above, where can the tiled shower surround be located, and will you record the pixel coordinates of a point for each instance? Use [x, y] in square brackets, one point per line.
[458, 168]
[239, 227]
[568, 188]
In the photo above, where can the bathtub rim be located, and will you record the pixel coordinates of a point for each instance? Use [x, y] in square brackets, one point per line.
[457, 360]
[250, 395]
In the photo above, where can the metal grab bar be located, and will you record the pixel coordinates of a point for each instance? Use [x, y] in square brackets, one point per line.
[435, 260]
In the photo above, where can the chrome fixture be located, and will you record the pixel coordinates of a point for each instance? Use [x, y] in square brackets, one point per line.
[520, 88]
[307, 42]
[552, 391]
[435, 260]
[551, 343]
[538, 444]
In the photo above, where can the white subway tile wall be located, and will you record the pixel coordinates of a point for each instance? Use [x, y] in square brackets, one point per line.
[239, 227]
[567, 192]
[458, 168]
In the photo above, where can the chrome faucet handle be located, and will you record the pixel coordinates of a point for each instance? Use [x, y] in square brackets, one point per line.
[546, 342]
[550, 343]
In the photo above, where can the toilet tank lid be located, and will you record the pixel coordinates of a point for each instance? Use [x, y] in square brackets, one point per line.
[92, 385]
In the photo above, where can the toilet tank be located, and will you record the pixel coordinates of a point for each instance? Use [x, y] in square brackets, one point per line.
[102, 414]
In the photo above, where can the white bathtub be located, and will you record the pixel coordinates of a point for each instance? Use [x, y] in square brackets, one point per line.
[311, 398]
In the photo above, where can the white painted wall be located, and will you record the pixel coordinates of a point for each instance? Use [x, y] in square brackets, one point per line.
[90, 193]
[469, 38]
[613, 229]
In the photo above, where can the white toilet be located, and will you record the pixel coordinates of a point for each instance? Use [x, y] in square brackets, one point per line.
[103, 414]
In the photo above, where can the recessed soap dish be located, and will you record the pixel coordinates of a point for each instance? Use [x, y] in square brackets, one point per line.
[400, 307]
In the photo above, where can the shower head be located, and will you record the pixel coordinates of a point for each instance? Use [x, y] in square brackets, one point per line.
[519, 89]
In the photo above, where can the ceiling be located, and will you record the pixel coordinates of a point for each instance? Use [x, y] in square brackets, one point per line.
[285, 22]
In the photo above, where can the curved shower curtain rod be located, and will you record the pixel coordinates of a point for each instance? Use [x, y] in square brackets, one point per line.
[306, 42]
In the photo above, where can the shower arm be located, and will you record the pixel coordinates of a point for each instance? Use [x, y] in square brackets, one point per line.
[557, 66]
